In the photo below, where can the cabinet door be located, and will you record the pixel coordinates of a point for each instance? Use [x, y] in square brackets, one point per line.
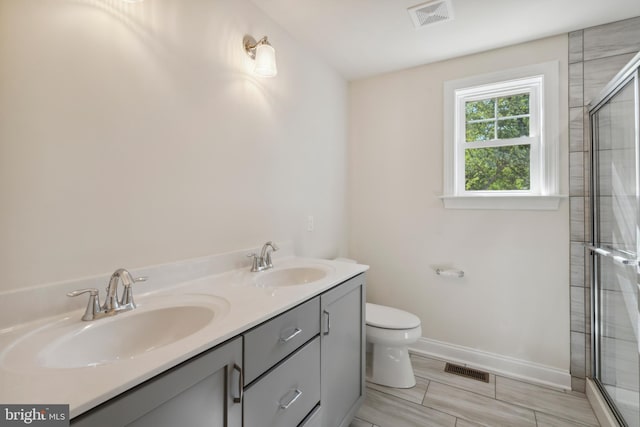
[343, 352]
[204, 391]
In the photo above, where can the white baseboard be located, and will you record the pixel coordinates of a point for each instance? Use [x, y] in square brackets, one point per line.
[600, 407]
[495, 363]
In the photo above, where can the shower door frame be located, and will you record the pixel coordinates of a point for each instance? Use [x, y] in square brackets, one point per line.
[630, 73]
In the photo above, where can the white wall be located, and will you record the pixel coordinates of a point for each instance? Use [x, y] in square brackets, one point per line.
[514, 299]
[136, 134]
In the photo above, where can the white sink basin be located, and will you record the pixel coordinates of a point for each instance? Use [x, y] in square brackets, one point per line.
[71, 343]
[292, 276]
[124, 338]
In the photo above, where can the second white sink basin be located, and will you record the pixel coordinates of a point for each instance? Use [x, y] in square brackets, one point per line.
[292, 276]
[70, 343]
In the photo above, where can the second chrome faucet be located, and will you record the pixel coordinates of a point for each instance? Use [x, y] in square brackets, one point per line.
[263, 262]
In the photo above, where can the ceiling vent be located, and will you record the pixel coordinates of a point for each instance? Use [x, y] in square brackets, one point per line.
[431, 13]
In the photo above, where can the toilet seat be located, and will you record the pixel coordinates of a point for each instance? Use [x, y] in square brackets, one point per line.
[380, 316]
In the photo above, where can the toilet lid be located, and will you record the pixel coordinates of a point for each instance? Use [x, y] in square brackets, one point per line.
[384, 317]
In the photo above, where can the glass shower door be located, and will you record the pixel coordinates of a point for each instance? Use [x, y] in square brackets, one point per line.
[615, 248]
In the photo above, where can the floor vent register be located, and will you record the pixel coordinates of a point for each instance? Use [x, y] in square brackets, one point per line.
[463, 371]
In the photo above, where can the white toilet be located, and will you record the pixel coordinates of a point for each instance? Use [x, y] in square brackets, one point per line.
[390, 331]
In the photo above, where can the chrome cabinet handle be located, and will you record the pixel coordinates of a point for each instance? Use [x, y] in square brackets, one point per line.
[296, 394]
[238, 369]
[295, 333]
[328, 316]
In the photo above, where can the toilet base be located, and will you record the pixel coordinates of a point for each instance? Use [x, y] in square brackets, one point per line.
[391, 367]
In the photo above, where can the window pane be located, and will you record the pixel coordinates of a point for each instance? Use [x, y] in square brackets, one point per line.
[482, 131]
[497, 168]
[514, 105]
[513, 128]
[479, 110]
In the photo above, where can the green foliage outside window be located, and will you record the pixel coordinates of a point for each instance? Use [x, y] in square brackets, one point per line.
[497, 168]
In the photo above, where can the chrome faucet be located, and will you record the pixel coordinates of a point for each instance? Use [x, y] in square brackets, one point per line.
[263, 262]
[265, 254]
[111, 304]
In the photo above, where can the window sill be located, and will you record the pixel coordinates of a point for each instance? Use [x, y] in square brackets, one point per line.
[506, 202]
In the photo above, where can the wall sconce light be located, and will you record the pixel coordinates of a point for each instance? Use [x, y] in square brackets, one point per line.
[264, 55]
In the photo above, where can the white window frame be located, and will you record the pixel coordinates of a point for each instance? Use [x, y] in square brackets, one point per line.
[541, 81]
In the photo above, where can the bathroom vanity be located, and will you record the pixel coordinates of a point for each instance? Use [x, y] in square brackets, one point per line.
[298, 359]
[304, 367]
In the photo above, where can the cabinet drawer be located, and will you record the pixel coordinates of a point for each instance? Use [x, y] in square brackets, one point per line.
[267, 344]
[285, 396]
[314, 419]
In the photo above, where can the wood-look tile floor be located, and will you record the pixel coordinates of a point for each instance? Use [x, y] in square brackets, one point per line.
[443, 399]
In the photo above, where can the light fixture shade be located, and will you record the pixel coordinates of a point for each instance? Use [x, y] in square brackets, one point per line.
[265, 60]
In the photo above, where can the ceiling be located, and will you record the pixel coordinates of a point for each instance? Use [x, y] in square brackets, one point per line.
[361, 38]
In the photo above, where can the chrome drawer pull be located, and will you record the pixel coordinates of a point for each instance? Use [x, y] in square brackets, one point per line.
[238, 399]
[296, 394]
[328, 316]
[296, 331]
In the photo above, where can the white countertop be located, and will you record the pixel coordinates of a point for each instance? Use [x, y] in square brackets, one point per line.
[84, 388]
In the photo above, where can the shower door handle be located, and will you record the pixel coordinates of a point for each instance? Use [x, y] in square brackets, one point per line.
[609, 254]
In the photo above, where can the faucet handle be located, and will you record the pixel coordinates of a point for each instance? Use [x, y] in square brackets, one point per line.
[255, 265]
[267, 259]
[92, 292]
[126, 302]
[93, 306]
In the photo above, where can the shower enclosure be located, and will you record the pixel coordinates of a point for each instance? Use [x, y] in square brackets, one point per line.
[615, 131]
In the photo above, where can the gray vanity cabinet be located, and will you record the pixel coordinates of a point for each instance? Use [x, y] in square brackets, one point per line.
[343, 352]
[204, 391]
[304, 368]
[328, 369]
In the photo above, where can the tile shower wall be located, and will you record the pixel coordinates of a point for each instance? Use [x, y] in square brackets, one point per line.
[596, 54]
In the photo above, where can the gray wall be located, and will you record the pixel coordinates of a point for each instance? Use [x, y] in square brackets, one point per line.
[596, 54]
